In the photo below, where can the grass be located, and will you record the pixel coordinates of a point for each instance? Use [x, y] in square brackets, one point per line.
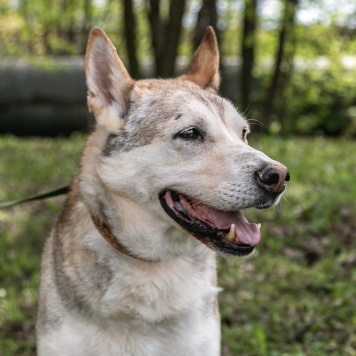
[295, 296]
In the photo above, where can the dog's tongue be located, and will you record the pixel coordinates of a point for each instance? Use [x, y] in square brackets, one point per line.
[245, 232]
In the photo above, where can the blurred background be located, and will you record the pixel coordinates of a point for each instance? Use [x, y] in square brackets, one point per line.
[288, 65]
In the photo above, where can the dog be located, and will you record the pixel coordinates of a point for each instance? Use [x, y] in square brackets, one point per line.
[130, 266]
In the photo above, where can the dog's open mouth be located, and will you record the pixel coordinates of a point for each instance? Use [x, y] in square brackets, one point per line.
[227, 232]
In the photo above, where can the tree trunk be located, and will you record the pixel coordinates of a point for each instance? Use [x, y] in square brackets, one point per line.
[248, 43]
[129, 21]
[165, 35]
[173, 28]
[157, 31]
[285, 79]
[207, 16]
[86, 25]
[283, 61]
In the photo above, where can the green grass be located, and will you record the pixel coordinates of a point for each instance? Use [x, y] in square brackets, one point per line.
[295, 296]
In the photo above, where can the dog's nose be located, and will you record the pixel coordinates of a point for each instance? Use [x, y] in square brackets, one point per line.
[273, 178]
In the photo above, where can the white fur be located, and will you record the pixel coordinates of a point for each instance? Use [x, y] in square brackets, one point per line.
[137, 312]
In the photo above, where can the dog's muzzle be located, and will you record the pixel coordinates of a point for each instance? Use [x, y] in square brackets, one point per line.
[228, 232]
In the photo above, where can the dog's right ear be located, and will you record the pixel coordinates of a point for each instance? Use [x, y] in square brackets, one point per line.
[108, 82]
[204, 67]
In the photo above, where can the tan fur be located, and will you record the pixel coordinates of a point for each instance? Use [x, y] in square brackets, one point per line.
[116, 85]
[204, 67]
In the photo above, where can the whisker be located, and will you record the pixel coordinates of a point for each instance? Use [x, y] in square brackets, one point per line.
[285, 198]
[276, 211]
[255, 122]
[246, 112]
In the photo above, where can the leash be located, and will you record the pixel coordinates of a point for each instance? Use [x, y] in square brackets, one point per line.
[103, 229]
[52, 193]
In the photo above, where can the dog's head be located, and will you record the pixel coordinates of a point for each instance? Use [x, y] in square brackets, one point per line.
[176, 149]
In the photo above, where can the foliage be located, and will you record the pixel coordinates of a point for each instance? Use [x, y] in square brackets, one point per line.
[319, 101]
[293, 297]
[319, 84]
[327, 104]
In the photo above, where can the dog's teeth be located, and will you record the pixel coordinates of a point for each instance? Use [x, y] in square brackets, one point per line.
[231, 234]
[259, 226]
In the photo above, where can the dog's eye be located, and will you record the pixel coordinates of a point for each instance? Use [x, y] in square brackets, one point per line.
[190, 133]
[244, 134]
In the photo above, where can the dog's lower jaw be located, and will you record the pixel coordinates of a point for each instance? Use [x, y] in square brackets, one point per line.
[228, 233]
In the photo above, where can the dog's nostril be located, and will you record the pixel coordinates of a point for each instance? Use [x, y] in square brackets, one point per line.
[287, 178]
[270, 176]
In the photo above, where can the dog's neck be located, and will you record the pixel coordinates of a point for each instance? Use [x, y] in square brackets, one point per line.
[133, 230]
[106, 233]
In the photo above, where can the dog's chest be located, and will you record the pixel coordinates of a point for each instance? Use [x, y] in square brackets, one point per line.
[157, 293]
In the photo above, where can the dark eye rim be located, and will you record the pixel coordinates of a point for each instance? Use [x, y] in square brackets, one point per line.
[245, 132]
[194, 134]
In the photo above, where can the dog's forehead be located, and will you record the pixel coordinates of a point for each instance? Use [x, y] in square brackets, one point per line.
[172, 99]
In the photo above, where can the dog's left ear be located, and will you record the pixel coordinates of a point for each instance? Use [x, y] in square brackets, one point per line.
[109, 84]
[204, 67]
